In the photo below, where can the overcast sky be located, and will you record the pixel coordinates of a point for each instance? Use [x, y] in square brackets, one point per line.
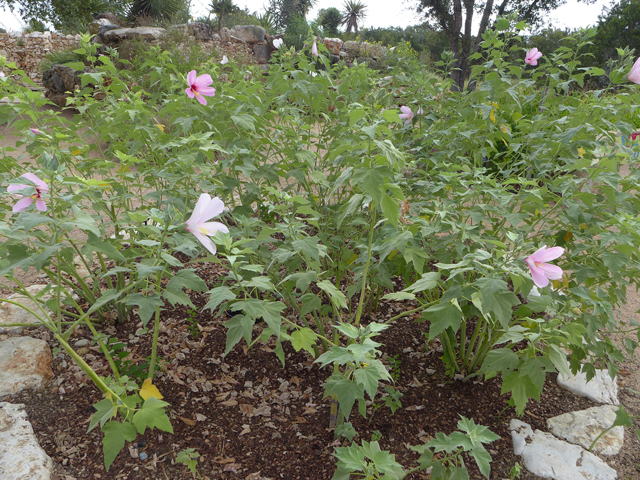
[379, 14]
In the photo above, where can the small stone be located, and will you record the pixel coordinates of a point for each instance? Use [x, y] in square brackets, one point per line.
[143, 456]
[82, 343]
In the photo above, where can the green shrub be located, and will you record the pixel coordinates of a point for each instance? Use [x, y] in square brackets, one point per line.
[296, 33]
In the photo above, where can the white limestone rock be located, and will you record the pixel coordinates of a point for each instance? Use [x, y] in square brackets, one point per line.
[546, 456]
[584, 426]
[601, 388]
[21, 458]
[25, 362]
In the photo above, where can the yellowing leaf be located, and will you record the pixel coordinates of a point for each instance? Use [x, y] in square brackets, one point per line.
[76, 152]
[581, 152]
[150, 390]
[160, 126]
[503, 128]
[584, 226]
[492, 116]
[568, 236]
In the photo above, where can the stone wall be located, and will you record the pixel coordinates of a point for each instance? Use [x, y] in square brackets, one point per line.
[28, 50]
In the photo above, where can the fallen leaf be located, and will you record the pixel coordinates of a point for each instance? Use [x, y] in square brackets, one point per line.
[232, 467]
[188, 421]
[245, 429]
[246, 409]
[413, 408]
[264, 410]
[222, 396]
[309, 411]
[224, 461]
[230, 403]
[300, 420]
[200, 417]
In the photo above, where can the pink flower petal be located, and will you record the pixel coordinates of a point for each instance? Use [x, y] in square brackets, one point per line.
[539, 278]
[552, 272]
[213, 227]
[191, 77]
[203, 81]
[22, 204]
[40, 205]
[14, 187]
[206, 242]
[212, 208]
[550, 254]
[208, 91]
[190, 92]
[201, 99]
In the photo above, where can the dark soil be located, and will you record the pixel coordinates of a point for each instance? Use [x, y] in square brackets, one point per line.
[251, 418]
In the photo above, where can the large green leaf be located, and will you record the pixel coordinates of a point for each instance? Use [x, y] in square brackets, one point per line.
[443, 316]
[346, 391]
[115, 434]
[270, 312]
[217, 296]
[152, 414]
[305, 339]
[146, 304]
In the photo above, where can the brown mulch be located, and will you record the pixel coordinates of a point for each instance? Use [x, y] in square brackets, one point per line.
[251, 418]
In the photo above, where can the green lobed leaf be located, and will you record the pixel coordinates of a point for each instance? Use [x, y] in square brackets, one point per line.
[346, 391]
[115, 434]
[304, 339]
[146, 304]
[152, 414]
[217, 296]
[336, 296]
[105, 409]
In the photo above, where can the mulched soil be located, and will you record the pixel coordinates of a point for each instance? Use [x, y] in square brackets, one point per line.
[251, 418]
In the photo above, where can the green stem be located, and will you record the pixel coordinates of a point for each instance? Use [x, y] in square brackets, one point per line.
[154, 346]
[86, 368]
[366, 269]
[104, 349]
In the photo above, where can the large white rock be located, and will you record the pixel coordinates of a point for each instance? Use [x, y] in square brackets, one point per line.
[546, 456]
[21, 458]
[601, 388]
[25, 362]
[584, 426]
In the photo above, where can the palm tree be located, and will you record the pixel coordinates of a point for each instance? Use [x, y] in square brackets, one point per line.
[354, 12]
[222, 8]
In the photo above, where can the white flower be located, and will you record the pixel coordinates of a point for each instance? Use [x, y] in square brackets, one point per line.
[276, 43]
[313, 74]
[198, 225]
[225, 60]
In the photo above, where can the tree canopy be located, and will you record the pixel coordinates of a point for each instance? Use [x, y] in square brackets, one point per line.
[455, 18]
[617, 28]
[74, 15]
